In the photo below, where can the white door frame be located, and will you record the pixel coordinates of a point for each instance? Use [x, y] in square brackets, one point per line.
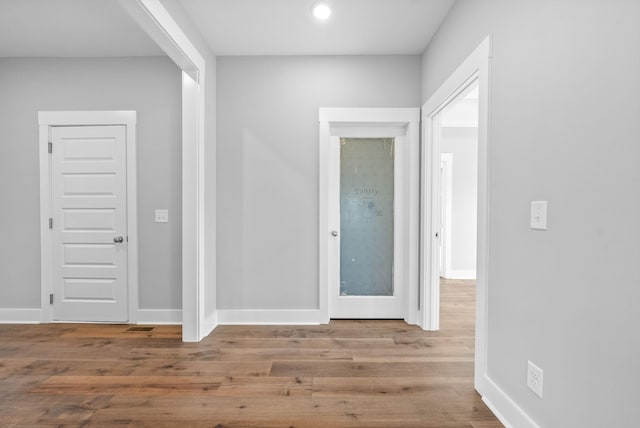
[47, 120]
[158, 23]
[343, 122]
[475, 68]
[446, 198]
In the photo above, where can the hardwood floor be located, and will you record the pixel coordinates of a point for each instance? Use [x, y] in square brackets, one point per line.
[346, 374]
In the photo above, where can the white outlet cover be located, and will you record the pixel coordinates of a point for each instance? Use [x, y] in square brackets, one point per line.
[162, 216]
[539, 215]
[534, 378]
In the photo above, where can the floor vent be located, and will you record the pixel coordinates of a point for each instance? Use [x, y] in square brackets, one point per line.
[137, 328]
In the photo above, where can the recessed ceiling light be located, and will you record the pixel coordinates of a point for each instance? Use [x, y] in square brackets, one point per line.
[321, 10]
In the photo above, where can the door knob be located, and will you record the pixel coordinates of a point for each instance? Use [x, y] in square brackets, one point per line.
[118, 239]
[334, 233]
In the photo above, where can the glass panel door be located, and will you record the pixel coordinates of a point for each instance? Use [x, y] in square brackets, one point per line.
[366, 216]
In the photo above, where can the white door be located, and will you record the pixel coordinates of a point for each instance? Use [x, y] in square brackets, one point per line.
[368, 219]
[89, 222]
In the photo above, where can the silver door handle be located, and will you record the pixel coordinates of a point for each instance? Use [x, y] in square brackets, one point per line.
[334, 233]
[118, 239]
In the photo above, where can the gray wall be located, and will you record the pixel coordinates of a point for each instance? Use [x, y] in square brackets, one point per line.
[152, 87]
[268, 165]
[564, 128]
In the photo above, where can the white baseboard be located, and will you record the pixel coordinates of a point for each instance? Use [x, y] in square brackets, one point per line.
[506, 410]
[145, 316]
[210, 323]
[461, 274]
[269, 317]
[19, 316]
[159, 316]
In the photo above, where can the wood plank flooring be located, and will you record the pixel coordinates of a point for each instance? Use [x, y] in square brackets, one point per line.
[345, 374]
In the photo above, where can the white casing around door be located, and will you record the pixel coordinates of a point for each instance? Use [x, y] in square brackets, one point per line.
[89, 216]
[401, 124]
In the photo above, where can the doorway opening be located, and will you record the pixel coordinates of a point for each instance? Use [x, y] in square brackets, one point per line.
[451, 206]
[473, 72]
[456, 130]
[453, 146]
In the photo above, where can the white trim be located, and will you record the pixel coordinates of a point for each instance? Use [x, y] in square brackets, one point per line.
[270, 317]
[452, 86]
[210, 322]
[475, 67]
[159, 316]
[446, 160]
[191, 296]
[324, 268]
[387, 122]
[46, 245]
[20, 316]
[460, 274]
[356, 131]
[87, 117]
[506, 410]
[385, 117]
[47, 119]
[158, 23]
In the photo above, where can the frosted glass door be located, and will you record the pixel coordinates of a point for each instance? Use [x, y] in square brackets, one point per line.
[366, 216]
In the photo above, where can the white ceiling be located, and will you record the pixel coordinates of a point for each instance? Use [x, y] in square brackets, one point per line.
[101, 28]
[70, 28]
[287, 27]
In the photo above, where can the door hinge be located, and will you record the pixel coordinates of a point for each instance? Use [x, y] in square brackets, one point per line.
[50, 147]
[50, 223]
[51, 299]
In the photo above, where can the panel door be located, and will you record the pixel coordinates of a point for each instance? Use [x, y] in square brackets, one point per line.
[89, 210]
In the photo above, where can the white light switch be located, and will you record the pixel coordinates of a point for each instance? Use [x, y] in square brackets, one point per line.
[162, 216]
[539, 215]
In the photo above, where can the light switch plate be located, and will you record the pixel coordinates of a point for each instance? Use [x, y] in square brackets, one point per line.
[162, 216]
[539, 215]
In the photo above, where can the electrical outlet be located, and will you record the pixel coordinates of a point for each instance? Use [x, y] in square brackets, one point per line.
[534, 378]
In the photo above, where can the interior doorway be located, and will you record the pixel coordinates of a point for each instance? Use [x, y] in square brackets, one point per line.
[452, 144]
[369, 181]
[457, 128]
[474, 70]
[88, 212]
